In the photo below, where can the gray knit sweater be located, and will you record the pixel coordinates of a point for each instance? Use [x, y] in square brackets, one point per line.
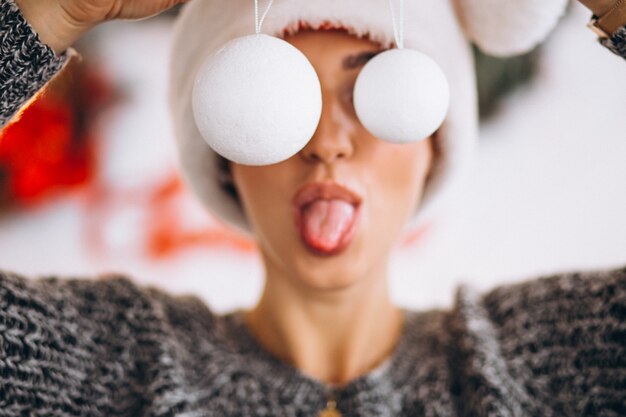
[26, 64]
[555, 346]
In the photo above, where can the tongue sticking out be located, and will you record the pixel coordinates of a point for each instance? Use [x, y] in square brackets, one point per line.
[327, 224]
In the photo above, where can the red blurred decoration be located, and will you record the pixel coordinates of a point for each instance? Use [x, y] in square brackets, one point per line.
[41, 153]
[49, 147]
[417, 235]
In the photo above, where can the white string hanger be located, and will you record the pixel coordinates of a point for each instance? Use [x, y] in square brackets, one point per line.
[257, 100]
[398, 25]
[258, 22]
[401, 95]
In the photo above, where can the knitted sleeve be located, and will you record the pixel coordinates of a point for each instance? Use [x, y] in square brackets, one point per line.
[617, 42]
[26, 64]
[555, 346]
[82, 348]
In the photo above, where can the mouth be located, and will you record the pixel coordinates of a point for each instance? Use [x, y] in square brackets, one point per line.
[326, 216]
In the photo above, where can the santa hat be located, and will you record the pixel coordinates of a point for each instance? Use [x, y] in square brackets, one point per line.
[443, 29]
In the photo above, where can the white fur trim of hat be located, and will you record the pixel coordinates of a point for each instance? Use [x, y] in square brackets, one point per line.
[442, 29]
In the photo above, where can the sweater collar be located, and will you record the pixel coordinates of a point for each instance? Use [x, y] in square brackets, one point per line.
[282, 376]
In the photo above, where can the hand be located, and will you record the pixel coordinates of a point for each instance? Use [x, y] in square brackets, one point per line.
[598, 7]
[60, 23]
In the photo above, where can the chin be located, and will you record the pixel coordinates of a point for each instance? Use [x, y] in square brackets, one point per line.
[329, 272]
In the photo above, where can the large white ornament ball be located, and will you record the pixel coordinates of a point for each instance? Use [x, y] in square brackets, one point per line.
[401, 96]
[257, 101]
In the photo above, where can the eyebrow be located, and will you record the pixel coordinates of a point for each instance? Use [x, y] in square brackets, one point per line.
[355, 61]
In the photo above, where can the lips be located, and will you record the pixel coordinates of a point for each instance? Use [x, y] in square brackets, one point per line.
[326, 216]
[325, 191]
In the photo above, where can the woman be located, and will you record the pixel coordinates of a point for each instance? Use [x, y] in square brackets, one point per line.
[324, 337]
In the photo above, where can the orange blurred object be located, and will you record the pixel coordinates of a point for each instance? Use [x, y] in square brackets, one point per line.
[167, 234]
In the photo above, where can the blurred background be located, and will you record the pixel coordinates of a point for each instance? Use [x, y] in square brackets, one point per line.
[89, 183]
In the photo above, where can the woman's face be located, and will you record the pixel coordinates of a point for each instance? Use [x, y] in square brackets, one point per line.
[331, 213]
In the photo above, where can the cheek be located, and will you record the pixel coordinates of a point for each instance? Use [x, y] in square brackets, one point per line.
[399, 177]
[264, 192]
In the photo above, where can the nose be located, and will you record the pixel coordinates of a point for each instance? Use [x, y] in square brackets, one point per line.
[333, 139]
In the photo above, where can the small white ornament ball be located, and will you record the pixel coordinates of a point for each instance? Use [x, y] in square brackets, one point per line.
[257, 101]
[401, 96]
